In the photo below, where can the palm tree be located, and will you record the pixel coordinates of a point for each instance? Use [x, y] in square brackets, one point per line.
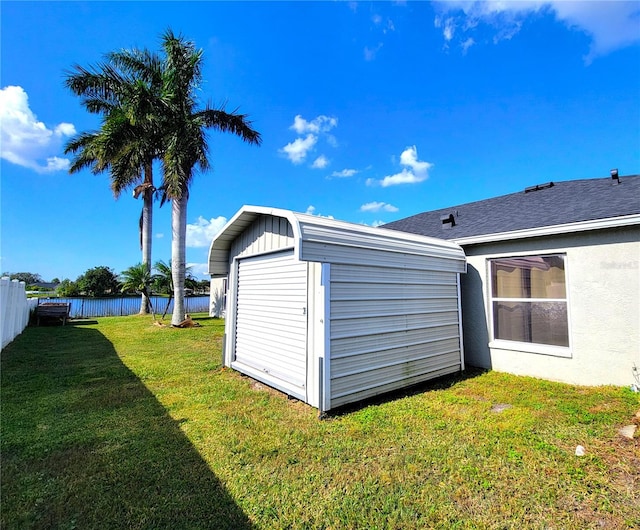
[138, 278]
[164, 281]
[186, 144]
[126, 90]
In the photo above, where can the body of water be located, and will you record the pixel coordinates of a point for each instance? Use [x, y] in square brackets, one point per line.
[126, 305]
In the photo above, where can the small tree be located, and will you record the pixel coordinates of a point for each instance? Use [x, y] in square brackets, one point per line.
[138, 279]
[67, 288]
[190, 282]
[163, 281]
[98, 281]
[204, 286]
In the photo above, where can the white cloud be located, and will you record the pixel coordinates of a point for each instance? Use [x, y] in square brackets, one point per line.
[55, 163]
[370, 53]
[331, 140]
[415, 171]
[467, 44]
[159, 235]
[345, 173]
[461, 17]
[409, 157]
[202, 232]
[297, 150]
[385, 24]
[24, 140]
[373, 224]
[65, 129]
[610, 25]
[199, 269]
[449, 29]
[315, 129]
[311, 211]
[377, 207]
[380, 29]
[320, 124]
[320, 163]
[406, 176]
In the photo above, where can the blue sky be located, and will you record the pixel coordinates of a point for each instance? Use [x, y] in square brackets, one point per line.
[369, 112]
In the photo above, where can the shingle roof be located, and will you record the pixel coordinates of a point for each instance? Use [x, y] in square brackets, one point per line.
[560, 203]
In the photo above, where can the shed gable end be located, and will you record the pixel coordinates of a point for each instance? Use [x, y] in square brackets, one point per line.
[267, 233]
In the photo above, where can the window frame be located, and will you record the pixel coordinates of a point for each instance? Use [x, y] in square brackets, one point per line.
[225, 293]
[529, 347]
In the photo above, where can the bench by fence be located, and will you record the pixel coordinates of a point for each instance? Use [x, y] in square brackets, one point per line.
[53, 310]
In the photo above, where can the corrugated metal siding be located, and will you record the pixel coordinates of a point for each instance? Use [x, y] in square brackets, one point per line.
[352, 235]
[330, 253]
[266, 234]
[390, 328]
[346, 243]
[271, 321]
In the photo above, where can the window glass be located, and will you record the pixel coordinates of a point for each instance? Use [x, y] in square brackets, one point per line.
[537, 322]
[529, 300]
[529, 277]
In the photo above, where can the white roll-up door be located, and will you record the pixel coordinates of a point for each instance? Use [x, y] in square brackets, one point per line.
[271, 321]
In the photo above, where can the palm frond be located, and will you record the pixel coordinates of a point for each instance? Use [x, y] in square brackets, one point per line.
[232, 122]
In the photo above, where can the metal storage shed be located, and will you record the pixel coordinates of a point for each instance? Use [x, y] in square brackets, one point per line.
[333, 312]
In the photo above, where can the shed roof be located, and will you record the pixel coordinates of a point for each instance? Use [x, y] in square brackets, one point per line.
[532, 211]
[311, 232]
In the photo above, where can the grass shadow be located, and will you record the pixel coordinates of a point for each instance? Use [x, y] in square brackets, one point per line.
[203, 318]
[86, 445]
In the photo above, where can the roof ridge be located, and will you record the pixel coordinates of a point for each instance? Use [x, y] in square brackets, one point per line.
[566, 201]
[540, 185]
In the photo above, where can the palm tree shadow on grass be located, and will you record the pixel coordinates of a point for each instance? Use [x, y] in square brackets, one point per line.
[86, 445]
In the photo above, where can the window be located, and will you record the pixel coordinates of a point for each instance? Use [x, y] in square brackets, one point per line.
[529, 300]
[225, 292]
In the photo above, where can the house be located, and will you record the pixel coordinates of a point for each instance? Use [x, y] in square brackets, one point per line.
[332, 312]
[45, 286]
[552, 283]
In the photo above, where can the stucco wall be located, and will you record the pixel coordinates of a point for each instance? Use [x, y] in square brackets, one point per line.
[603, 289]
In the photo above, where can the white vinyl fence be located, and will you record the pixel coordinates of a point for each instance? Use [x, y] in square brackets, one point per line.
[14, 309]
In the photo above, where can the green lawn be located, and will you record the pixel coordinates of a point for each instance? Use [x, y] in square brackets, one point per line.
[117, 423]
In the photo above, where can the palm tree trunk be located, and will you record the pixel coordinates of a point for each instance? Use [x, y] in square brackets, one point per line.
[178, 254]
[153, 313]
[147, 228]
[167, 306]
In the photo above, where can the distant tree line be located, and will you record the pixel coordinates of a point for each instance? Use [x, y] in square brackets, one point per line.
[29, 278]
[103, 281]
